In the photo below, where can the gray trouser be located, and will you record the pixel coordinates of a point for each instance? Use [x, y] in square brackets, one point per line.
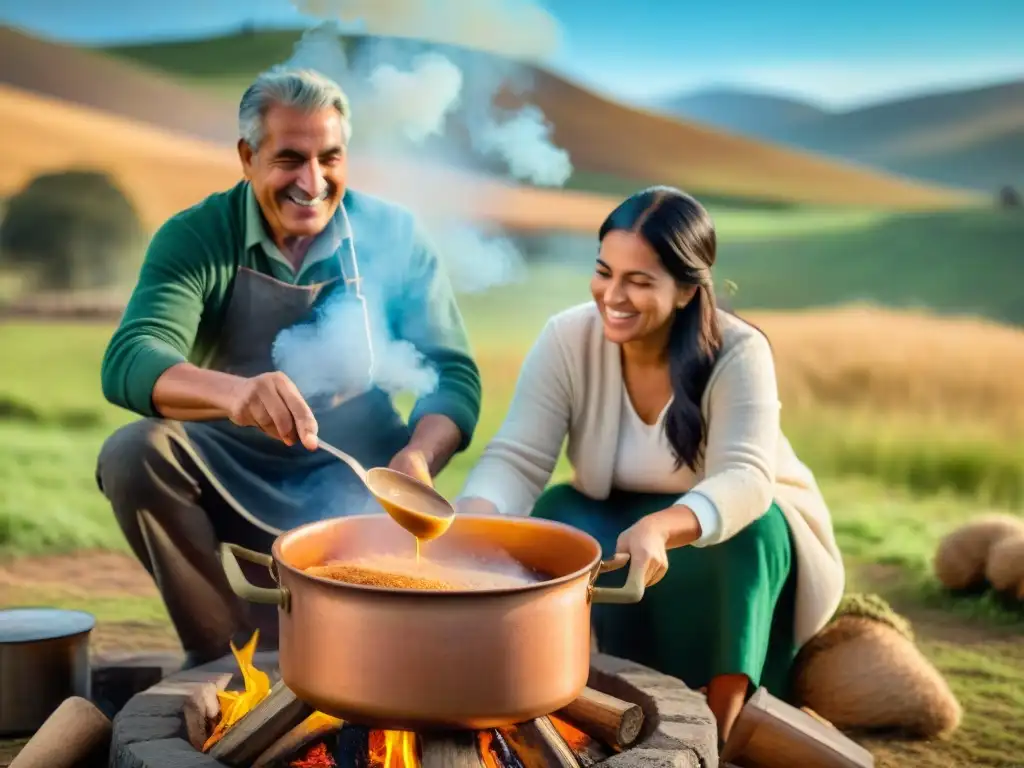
[174, 522]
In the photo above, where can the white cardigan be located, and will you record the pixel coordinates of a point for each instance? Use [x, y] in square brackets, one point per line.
[571, 384]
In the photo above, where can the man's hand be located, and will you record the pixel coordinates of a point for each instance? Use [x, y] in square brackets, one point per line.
[273, 403]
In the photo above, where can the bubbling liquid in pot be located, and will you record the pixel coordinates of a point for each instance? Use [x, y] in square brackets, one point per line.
[396, 571]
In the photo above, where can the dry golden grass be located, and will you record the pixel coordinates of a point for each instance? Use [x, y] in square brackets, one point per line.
[160, 172]
[926, 403]
[904, 364]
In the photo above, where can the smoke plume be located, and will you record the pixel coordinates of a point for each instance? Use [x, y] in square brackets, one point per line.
[415, 101]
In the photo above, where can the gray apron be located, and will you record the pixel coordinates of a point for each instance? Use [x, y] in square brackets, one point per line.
[274, 486]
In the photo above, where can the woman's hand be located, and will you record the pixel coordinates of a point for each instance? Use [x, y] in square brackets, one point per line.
[645, 544]
[648, 540]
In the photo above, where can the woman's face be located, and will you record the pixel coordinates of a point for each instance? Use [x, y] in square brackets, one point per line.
[635, 294]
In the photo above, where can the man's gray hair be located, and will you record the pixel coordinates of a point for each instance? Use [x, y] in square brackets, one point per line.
[303, 89]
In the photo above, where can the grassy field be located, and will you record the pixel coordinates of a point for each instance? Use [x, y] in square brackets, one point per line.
[959, 262]
[909, 438]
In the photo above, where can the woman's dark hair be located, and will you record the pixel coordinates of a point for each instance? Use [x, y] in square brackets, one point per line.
[681, 232]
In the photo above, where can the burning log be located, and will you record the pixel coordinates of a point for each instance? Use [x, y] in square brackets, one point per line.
[613, 721]
[201, 710]
[352, 747]
[313, 728]
[253, 734]
[459, 749]
[589, 751]
[538, 744]
[495, 750]
[318, 756]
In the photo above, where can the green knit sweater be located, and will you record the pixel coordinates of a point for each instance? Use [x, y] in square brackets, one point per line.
[177, 308]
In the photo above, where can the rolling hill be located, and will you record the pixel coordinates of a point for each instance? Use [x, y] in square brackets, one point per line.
[163, 172]
[967, 137]
[759, 114]
[61, 116]
[601, 135]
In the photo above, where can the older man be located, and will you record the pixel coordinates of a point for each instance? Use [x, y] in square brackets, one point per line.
[226, 448]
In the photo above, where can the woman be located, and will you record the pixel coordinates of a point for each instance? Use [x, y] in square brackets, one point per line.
[671, 410]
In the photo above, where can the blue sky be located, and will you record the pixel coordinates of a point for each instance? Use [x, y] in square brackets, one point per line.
[837, 53]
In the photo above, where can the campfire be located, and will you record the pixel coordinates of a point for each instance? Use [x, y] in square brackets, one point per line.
[265, 725]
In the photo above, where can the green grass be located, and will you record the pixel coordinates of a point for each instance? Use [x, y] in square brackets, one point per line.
[959, 262]
[225, 57]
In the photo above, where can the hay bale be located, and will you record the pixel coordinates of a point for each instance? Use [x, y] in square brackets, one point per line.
[961, 557]
[870, 606]
[860, 673]
[1005, 567]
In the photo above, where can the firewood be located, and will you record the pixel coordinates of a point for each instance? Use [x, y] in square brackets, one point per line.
[615, 722]
[201, 711]
[589, 751]
[768, 727]
[316, 726]
[76, 734]
[251, 736]
[538, 744]
[455, 749]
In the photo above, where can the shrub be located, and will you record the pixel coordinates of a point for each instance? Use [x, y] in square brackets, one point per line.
[70, 230]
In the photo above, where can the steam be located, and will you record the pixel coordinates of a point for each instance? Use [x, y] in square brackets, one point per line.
[330, 357]
[416, 102]
[478, 262]
[524, 143]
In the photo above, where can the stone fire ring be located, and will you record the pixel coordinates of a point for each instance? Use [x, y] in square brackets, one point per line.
[679, 729]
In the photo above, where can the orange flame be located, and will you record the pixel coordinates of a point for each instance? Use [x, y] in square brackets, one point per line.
[387, 749]
[577, 740]
[235, 704]
[393, 749]
[486, 746]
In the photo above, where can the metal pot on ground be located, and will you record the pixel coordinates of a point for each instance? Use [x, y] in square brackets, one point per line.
[44, 659]
[416, 660]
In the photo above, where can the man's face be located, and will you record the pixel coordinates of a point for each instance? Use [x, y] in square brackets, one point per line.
[299, 172]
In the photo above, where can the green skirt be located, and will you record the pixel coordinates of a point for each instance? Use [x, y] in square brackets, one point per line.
[719, 610]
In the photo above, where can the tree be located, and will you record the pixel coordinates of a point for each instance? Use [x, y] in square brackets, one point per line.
[71, 230]
[1009, 197]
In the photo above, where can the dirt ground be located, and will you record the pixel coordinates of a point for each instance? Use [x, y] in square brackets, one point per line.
[82, 580]
[95, 576]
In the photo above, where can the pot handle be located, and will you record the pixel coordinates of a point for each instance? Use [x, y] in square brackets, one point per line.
[631, 592]
[229, 554]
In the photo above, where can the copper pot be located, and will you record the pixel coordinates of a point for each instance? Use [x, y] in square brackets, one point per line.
[417, 660]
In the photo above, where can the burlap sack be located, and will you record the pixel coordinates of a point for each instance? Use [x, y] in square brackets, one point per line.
[960, 560]
[863, 671]
[1005, 567]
